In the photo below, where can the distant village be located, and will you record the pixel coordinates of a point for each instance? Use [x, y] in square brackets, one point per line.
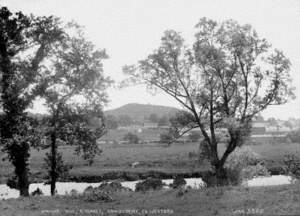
[150, 127]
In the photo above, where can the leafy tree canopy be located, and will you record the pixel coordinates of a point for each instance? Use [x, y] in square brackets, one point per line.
[226, 77]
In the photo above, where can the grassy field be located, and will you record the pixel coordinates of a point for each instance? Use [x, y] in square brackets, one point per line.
[176, 158]
[279, 200]
[144, 134]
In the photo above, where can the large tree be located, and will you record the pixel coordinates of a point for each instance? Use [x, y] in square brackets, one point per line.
[25, 42]
[224, 79]
[74, 93]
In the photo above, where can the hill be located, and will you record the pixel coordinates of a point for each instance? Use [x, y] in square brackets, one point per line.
[140, 111]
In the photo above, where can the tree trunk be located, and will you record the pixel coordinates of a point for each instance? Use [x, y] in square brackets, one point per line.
[53, 174]
[23, 183]
[19, 159]
[221, 175]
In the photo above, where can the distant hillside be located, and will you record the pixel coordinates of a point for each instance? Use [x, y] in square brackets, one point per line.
[139, 111]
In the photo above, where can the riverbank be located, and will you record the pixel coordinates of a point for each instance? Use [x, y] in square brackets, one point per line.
[153, 161]
[136, 174]
[277, 200]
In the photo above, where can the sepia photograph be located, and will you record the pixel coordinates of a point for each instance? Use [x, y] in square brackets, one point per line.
[149, 107]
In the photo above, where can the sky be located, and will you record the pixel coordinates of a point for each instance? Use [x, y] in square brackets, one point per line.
[131, 29]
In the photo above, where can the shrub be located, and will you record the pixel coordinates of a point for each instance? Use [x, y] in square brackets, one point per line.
[250, 172]
[97, 195]
[178, 182]
[37, 192]
[12, 182]
[294, 136]
[112, 187]
[149, 184]
[73, 192]
[103, 192]
[89, 189]
[181, 192]
[242, 157]
[132, 138]
[276, 169]
[292, 165]
[166, 138]
[243, 164]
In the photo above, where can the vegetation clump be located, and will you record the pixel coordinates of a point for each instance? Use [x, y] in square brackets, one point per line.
[97, 195]
[292, 165]
[243, 164]
[37, 192]
[178, 182]
[294, 136]
[112, 187]
[132, 138]
[149, 184]
[12, 182]
[103, 192]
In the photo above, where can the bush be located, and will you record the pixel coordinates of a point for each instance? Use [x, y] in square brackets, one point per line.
[73, 192]
[294, 136]
[12, 182]
[112, 187]
[250, 172]
[37, 192]
[166, 138]
[89, 189]
[97, 195]
[242, 157]
[178, 182]
[132, 138]
[149, 184]
[276, 169]
[292, 165]
[103, 192]
[243, 164]
[181, 192]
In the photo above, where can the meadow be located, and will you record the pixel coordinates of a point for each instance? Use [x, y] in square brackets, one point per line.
[176, 158]
[279, 200]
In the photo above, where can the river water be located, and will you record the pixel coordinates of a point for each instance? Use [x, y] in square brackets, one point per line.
[196, 183]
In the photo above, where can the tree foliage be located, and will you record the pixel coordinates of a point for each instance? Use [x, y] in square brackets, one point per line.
[163, 121]
[224, 79]
[25, 43]
[153, 117]
[111, 122]
[132, 138]
[74, 91]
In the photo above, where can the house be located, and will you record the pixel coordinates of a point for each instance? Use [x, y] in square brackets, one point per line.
[258, 128]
